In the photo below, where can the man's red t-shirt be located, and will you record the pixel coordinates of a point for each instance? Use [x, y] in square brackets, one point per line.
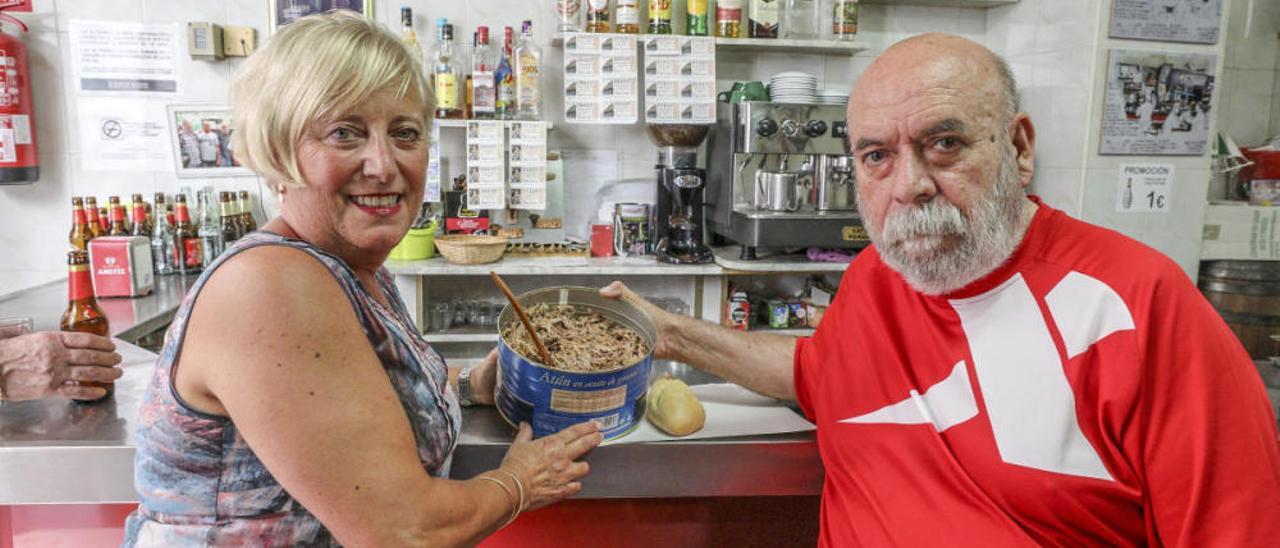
[1084, 393]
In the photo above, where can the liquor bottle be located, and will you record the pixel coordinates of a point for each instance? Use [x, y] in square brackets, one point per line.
[118, 227]
[246, 213]
[468, 111]
[764, 18]
[659, 17]
[162, 237]
[1128, 193]
[729, 18]
[844, 20]
[569, 16]
[447, 76]
[626, 17]
[505, 106]
[186, 240]
[82, 314]
[408, 36]
[528, 71]
[697, 18]
[141, 225]
[80, 233]
[485, 97]
[598, 16]
[93, 216]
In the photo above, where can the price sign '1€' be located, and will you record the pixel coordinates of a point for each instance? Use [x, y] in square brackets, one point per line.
[1144, 188]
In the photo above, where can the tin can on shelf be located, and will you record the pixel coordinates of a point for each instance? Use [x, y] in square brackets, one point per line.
[779, 314]
[632, 229]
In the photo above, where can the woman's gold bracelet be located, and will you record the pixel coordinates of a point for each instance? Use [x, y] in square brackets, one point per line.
[510, 496]
[519, 486]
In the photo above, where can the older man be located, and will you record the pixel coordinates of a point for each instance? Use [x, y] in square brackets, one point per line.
[992, 371]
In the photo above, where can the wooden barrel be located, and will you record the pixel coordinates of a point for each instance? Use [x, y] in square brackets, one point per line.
[1247, 295]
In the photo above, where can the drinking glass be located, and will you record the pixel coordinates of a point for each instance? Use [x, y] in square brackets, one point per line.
[441, 317]
[802, 19]
[12, 327]
[459, 314]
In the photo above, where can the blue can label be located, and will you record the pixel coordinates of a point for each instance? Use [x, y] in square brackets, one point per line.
[551, 400]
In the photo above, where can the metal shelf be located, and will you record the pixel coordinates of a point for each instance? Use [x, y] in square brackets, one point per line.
[784, 45]
[454, 124]
[552, 266]
[766, 45]
[462, 334]
[944, 3]
[799, 332]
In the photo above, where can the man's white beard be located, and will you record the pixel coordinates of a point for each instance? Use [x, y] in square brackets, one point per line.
[938, 250]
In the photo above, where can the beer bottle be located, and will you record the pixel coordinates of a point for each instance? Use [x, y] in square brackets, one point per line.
[80, 234]
[141, 225]
[118, 227]
[91, 215]
[229, 218]
[82, 314]
[186, 240]
[246, 214]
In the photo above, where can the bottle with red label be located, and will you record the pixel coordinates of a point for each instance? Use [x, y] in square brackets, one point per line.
[118, 228]
[80, 233]
[19, 162]
[93, 218]
[83, 314]
[186, 240]
[141, 222]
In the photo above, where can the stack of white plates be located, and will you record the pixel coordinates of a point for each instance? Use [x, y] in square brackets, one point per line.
[833, 97]
[793, 87]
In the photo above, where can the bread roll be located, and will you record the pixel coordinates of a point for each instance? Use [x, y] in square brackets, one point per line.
[674, 408]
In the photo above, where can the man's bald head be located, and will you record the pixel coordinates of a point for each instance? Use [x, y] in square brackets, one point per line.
[937, 57]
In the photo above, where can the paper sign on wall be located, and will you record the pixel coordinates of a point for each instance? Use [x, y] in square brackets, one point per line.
[528, 160]
[124, 58]
[601, 78]
[119, 134]
[486, 168]
[1157, 103]
[1144, 188]
[680, 80]
[1194, 21]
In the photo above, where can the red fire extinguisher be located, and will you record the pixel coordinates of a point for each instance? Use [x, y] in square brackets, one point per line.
[19, 163]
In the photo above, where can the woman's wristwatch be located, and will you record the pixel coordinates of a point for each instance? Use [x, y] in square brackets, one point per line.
[465, 398]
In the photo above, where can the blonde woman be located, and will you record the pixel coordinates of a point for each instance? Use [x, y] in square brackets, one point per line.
[294, 403]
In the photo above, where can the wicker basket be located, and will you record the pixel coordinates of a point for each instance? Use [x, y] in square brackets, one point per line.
[470, 248]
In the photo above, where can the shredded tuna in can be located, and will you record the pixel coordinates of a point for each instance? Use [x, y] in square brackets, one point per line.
[578, 338]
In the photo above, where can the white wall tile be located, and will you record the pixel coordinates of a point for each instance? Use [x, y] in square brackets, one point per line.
[44, 58]
[1058, 187]
[35, 256]
[1253, 46]
[43, 18]
[99, 10]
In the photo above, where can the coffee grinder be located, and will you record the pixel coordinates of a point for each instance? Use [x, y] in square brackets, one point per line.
[679, 212]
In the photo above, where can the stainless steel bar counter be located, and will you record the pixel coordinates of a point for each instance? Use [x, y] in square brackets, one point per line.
[57, 452]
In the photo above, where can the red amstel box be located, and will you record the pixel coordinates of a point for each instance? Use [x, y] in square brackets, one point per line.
[121, 266]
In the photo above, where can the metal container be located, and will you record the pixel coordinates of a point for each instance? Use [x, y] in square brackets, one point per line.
[550, 399]
[632, 229]
[833, 188]
[777, 190]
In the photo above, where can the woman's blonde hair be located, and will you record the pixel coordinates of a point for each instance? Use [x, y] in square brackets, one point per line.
[317, 66]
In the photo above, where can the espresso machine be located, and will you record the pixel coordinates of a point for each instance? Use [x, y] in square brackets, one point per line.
[679, 214]
[781, 175]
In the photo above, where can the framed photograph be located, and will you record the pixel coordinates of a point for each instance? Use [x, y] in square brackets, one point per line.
[201, 138]
[284, 12]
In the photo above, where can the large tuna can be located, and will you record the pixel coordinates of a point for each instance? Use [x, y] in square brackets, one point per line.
[553, 399]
